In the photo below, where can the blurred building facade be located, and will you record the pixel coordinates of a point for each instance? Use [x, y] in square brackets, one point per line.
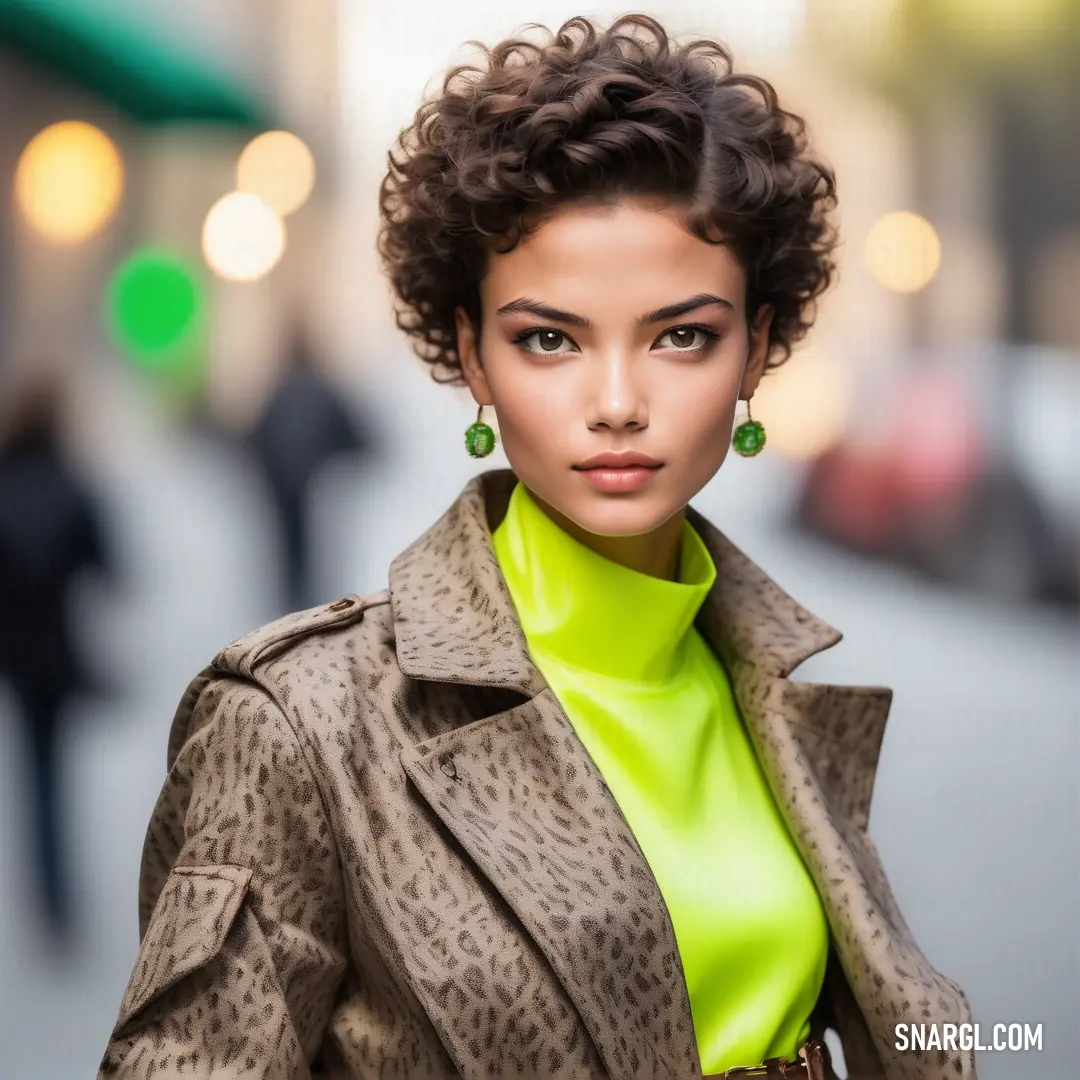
[284, 55]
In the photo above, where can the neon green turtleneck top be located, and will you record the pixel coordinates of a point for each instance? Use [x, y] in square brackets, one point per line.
[653, 706]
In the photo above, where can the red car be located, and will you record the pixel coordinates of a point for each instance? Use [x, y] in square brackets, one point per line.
[963, 466]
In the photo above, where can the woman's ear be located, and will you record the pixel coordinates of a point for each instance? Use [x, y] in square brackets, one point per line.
[759, 351]
[469, 356]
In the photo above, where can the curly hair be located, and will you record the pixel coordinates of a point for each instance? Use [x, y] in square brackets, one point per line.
[596, 117]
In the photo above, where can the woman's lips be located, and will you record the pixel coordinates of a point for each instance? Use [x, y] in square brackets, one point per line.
[613, 478]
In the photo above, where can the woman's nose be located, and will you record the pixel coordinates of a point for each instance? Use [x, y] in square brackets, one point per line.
[617, 399]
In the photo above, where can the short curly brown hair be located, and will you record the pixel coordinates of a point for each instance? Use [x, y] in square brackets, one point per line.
[599, 116]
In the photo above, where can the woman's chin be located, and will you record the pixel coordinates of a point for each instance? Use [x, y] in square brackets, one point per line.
[620, 515]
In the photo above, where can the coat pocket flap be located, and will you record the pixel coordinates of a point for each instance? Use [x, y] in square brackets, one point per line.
[191, 919]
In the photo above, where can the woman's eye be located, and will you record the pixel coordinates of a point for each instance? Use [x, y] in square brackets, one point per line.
[548, 341]
[687, 338]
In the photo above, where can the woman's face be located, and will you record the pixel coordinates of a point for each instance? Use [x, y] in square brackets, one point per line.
[579, 357]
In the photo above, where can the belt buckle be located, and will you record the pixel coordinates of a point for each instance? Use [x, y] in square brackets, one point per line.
[807, 1066]
[774, 1068]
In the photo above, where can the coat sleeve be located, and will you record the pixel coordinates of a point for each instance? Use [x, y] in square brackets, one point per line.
[242, 922]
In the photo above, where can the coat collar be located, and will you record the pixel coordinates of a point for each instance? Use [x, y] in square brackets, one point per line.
[746, 615]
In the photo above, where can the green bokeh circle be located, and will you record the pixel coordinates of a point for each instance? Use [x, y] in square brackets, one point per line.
[155, 308]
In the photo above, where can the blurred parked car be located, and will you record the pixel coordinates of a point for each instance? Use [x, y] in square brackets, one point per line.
[964, 466]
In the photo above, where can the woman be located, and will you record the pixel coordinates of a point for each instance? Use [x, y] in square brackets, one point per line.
[549, 805]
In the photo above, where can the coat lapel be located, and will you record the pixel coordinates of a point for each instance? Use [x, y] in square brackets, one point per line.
[818, 746]
[521, 794]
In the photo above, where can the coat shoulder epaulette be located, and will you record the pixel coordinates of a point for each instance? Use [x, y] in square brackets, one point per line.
[243, 655]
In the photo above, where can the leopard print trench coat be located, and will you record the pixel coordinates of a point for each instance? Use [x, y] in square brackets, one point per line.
[382, 851]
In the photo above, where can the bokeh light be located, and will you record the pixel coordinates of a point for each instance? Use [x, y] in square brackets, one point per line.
[278, 167]
[903, 251]
[69, 181]
[154, 308]
[805, 406]
[243, 237]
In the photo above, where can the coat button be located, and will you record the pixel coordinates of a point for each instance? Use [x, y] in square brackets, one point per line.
[341, 605]
[448, 768]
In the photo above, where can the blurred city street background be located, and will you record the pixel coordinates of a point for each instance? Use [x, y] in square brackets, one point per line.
[192, 318]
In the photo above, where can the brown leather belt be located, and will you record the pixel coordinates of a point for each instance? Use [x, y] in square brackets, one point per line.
[811, 1063]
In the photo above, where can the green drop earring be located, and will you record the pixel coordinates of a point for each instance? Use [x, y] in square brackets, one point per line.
[479, 438]
[749, 437]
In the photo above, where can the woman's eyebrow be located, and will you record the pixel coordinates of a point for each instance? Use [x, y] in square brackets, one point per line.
[668, 311]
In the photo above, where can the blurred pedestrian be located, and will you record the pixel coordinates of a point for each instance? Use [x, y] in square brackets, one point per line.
[49, 533]
[304, 424]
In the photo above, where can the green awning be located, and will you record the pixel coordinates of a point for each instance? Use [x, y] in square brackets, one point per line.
[122, 60]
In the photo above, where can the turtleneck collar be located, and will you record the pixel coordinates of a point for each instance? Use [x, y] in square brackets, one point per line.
[583, 610]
